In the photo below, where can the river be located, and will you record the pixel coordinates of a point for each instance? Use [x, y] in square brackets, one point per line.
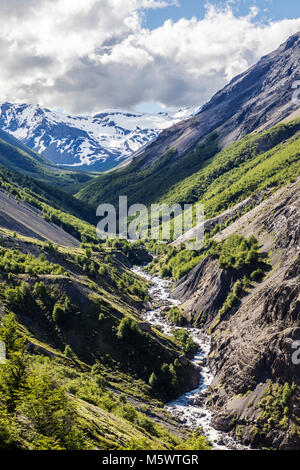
[189, 408]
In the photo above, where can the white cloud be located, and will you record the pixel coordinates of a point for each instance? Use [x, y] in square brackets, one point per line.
[84, 56]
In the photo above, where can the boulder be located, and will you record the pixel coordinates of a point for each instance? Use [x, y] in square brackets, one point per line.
[145, 327]
[223, 422]
[147, 305]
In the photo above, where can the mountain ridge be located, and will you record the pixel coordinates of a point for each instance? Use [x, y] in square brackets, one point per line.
[258, 98]
[84, 142]
[82, 311]
[252, 102]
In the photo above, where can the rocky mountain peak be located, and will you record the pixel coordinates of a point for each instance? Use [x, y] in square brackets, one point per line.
[257, 99]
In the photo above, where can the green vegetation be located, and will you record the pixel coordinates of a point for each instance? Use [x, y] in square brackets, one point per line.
[196, 442]
[74, 378]
[265, 160]
[178, 262]
[276, 409]
[17, 157]
[36, 288]
[35, 412]
[232, 299]
[184, 337]
[240, 257]
[56, 205]
[15, 262]
[235, 252]
[128, 330]
[168, 378]
[51, 404]
[148, 184]
[175, 316]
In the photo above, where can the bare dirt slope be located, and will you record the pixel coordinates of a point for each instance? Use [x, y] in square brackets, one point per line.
[272, 222]
[219, 219]
[28, 221]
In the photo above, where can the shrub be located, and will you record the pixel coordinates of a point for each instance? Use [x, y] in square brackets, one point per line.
[257, 275]
[237, 288]
[51, 412]
[188, 344]
[18, 294]
[139, 290]
[128, 329]
[165, 271]
[153, 380]
[175, 316]
[39, 289]
[168, 378]
[58, 314]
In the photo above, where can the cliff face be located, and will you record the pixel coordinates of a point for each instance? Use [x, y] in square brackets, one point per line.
[255, 100]
[204, 290]
[252, 346]
[252, 351]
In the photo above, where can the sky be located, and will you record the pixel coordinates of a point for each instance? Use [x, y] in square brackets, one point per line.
[147, 55]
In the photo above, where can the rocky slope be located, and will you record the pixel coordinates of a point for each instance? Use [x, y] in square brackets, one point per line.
[255, 392]
[176, 166]
[257, 99]
[97, 142]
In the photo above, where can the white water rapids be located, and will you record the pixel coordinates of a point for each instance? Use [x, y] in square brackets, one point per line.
[189, 408]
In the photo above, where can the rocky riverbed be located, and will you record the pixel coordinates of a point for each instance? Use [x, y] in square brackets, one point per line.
[190, 408]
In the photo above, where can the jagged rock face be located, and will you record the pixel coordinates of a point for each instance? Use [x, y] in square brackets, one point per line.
[253, 344]
[257, 339]
[204, 290]
[257, 99]
[256, 346]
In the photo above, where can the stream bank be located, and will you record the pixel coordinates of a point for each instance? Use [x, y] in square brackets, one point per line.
[190, 407]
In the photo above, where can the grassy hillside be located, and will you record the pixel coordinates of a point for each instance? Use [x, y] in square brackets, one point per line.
[16, 156]
[218, 179]
[264, 162]
[70, 322]
[148, 185]
[69, 318]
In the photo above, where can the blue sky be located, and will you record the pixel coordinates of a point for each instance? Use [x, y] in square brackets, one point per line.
[273, 10]
[103, 54]
[268, 11]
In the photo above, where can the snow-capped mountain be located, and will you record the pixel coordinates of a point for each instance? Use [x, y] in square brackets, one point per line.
[97, 142]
